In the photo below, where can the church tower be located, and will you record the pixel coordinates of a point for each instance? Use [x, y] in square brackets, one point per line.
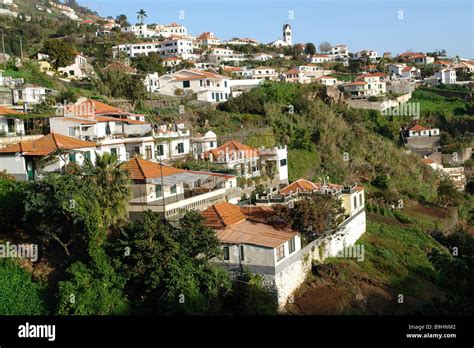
[287, 34]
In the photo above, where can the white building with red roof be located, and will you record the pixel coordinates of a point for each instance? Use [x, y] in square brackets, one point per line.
[31, 159]
[208, 86]
[171, 191]
[170, 47]
[367, 85]
[249, 161]
[421, 131]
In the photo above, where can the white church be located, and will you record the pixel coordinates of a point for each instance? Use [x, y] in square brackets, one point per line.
[287, 39]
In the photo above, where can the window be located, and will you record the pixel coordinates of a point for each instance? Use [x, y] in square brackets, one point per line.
[173, 189]
[211, 144]
[71, 131]
[200, 83]
[148, 152]
[87, 155]
[226, 253]
[213, 97]
[158, 191]
[355, 202]
[242, 255]
[113, 151]
[181, 148]
[360, 199]
[283, 162]
[291, 245]
[72, 158]
[160, 151]
[281, 252]
[136, 150]
[186, 84]
[225, 83]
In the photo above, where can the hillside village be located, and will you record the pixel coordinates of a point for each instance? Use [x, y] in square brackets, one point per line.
[149, 104]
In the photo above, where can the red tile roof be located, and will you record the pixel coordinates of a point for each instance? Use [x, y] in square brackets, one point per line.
[7, 111]
[222, 215]
[141, 169]
[232, 146]
[300, 185]
[233, 227]
[46, 145]
[418, 128]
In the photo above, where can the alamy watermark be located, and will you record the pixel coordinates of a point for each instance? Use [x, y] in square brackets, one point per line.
[404, 109]
[352, 252]
[21, 251]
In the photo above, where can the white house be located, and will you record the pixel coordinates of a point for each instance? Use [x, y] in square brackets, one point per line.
[403, 71]
[9, 125]
[262, 57]
[421, 131]
[173, 47]
[446, 76]
[141, 31]
[249, 162]
[171, 30]
[172, 192]
[367, 85]
[208, 86]
[339, 51]
[264, 73]
[218, 55]
[253, 243]
[29, 95]
[327, 80]
[203, 143]
[373, 56]
[172, 141]
[243, 41]
[319, 58]
[29, 160]
[208, 39]
[172, 62]
[79, 69]
[151, 82]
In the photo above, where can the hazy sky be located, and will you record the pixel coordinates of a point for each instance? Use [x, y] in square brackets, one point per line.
[383, 25]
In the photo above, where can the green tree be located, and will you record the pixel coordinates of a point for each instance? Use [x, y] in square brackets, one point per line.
[112, 186]
[141, 15]
[169, 266]
[122, 20]
[313, 216]
[310, 48]
[149, 63]
[448, 194]
[60, 52]
[19, 293]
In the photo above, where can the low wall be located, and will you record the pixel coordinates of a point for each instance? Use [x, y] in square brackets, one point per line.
[290, 274]
[378, 105]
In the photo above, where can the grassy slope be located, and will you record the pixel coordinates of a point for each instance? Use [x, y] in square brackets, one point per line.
[395, 262]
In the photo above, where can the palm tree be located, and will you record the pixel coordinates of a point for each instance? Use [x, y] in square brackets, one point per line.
[141, 15]
[113, 188]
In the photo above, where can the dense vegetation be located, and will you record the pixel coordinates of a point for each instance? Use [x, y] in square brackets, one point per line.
[99, 263]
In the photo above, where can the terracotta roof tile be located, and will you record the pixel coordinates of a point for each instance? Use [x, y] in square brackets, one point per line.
[141, 169]
[222, 215]
[232, 146]
[298, 186]
[7, 111]
[418, 128]
[47, 144]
